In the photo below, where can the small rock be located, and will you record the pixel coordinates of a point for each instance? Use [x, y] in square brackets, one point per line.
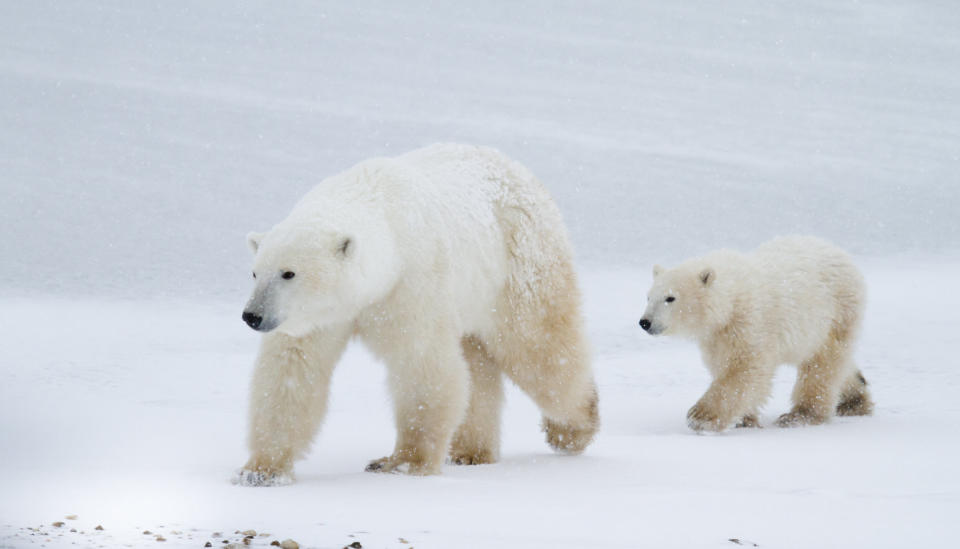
[71, 517]
[289, 544]
[217, 534]
[73, 529]
[208, 544]
[147, 533]
[275, 543]
[161, 538]
[403, 541]
[58, 524]
[264, 535]
[251, 533]
[98, 527]
[354, 545]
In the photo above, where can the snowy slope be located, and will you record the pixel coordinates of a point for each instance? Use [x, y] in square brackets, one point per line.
[140, 141]
[162, 132]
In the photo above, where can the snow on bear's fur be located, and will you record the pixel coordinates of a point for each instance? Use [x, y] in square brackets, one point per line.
[794, 300]
[452, 264]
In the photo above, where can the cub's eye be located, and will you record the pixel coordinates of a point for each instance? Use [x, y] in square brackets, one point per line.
[670, 299]
[254, 275]
[287, 275]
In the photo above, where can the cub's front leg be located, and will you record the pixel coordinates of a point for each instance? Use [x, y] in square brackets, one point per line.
[735, 394]
[288, 400]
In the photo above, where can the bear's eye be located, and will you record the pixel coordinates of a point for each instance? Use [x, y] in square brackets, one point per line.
[670, 299]
[254, 275]
[287, 275]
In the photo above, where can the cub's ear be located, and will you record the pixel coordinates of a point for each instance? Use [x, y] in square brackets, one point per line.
[657, 271]
[345, 248]
[707, 276]
[253, 241]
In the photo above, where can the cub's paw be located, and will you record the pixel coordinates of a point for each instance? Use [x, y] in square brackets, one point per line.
[702, 418]
[799, 417]
[748, 421]
[393, 464]
[249, 477]
[382, 465]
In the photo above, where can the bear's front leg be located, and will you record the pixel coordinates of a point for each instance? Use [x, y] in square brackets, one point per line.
[288, 400]
[732, 396]
[429, 382]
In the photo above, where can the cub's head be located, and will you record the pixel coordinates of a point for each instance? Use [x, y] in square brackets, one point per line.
[682, 300]
[311, 274]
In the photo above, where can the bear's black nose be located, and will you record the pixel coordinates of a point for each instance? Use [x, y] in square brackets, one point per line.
[252, 320]
[645, 324]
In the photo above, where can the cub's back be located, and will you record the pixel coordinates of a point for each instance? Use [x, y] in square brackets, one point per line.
[810, 287]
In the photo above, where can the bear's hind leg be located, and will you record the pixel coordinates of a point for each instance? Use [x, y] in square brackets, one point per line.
[855, 398]
[478, 438]
[541, 347]
[288, 400]
[819, 383]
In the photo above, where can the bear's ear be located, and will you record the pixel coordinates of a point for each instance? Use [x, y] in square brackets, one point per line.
[253, 240]
[707, 276]
[345, 248]
[657, 271]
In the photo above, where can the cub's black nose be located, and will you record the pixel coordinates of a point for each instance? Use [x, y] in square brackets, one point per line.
[252, 320]
[645, 324]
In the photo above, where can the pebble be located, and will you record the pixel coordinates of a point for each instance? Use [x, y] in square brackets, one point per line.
[275, 543]
[71, 517]
[98, 527]
[289, 544]
[58, 524]
[161, 538]
[208, 544]
[252, 533]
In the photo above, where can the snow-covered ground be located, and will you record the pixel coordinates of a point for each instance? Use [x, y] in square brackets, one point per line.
[131, 416]
[140, 141]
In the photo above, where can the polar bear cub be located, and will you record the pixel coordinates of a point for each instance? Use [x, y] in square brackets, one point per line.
[452, 264]
[794, 300]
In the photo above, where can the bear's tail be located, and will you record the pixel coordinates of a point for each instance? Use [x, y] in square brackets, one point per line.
[855, 399]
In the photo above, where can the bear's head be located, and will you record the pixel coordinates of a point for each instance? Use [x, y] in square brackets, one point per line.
[315, 270]
[684, 301]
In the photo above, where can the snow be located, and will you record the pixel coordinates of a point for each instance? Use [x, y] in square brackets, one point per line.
[140, 142]
[131, 415]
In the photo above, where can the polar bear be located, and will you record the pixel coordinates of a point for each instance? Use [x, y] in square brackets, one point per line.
[794, 300]
[452, 264]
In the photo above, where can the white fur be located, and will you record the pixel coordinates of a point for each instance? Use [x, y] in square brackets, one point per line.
[455, 254]
[794, 300]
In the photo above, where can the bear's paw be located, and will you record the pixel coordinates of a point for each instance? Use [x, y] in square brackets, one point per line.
[247, 477]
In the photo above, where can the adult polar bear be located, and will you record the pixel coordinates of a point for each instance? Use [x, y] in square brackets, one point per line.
[452, 264]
